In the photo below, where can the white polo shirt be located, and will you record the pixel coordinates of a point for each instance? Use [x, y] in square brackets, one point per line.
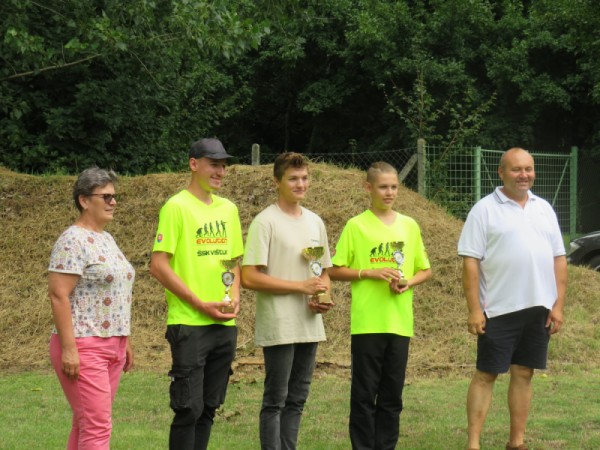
[516, 247]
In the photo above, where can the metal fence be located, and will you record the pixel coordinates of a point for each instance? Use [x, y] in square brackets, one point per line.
[402, 159]
[457, 177]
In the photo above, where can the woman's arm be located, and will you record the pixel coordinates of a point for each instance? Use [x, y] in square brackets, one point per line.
[60, 286]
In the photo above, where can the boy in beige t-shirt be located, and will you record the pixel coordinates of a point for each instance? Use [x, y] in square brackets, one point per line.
[288, 320]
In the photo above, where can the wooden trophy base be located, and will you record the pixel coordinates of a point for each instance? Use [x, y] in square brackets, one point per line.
[229, 308]
[324, 299]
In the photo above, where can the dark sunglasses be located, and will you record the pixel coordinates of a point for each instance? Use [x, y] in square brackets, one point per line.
[107, 197]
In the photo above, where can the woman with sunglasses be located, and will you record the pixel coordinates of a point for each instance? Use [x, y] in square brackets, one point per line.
[90, 284]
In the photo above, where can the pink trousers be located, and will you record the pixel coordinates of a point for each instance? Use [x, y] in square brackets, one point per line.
[92, 394]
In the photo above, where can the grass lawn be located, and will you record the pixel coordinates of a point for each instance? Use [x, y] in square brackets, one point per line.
[565, 413]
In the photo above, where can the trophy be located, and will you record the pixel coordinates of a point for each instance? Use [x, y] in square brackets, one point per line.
[227, 278]
[312, 255]
[399, 258]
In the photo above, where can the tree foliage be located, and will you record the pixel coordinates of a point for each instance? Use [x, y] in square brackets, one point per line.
[116, 84]
[130, 84]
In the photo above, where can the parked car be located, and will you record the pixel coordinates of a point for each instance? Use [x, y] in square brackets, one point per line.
[585, 251]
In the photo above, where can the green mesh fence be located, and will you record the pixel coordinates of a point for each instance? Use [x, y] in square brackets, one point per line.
[456, 177]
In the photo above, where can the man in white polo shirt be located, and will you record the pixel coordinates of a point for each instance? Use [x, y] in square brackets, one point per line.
[515, 278]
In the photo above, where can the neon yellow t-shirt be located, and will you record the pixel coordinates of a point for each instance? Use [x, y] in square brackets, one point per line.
[365, 244]
[198, 236]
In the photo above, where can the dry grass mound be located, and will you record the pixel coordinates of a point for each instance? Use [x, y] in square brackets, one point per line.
[35, 209]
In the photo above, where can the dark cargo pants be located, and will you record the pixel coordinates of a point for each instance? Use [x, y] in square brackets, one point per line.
[202, 357]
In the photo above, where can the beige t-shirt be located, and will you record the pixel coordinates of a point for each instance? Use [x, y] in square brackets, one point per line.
[275, 241]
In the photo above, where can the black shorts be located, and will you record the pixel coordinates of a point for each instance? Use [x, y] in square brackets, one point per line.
[519, 338]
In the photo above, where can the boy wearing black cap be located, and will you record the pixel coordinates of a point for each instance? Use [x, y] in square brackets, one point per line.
[197, 230]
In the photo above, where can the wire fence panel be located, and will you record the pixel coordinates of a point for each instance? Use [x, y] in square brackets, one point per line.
[457, 177]
[397, 158]
[454, 178]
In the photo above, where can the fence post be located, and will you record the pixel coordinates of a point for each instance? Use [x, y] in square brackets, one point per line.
[255, 155]
[477, 173]
[421, 167]
[573, 194]
[353, 147]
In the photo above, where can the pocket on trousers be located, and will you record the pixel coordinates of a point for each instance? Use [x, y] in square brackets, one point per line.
[175, 333]
[180, 390]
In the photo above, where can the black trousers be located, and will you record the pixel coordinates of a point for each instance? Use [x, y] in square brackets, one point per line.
[202, 357]
[378, 372]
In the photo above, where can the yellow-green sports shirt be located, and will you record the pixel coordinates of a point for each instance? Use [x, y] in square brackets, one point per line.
[365, 243]
[198, 236]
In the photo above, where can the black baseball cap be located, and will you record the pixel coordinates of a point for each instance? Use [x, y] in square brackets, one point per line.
[208, 148]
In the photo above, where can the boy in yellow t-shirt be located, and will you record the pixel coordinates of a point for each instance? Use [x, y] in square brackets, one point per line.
[381, 252]
[196, 231]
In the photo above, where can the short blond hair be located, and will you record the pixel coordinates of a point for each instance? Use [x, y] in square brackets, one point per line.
[378, 168]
